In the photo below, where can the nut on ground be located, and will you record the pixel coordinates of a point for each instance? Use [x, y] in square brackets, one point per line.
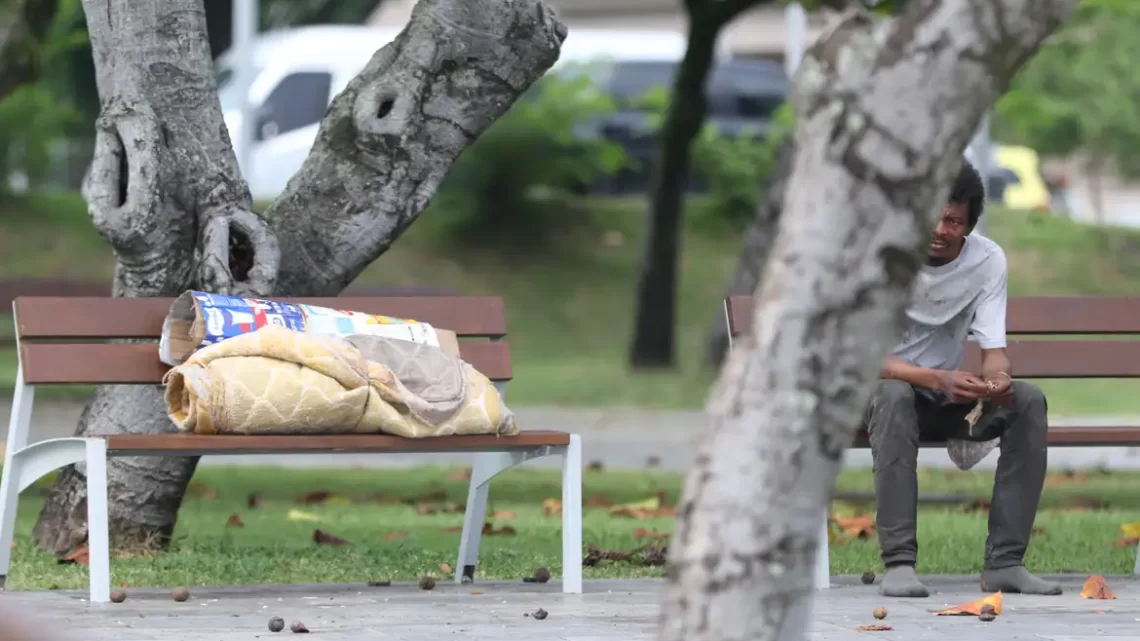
[539, 614]
[987, 609]
[541, 575]
[987, 616]
[426, 582]
[879, 613]
[868, 578]
[118, 596]
[298, 627]
[180, 594]
[276, 624]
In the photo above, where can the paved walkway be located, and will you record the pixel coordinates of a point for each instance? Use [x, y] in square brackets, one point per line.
[612, 610]
[618, 438]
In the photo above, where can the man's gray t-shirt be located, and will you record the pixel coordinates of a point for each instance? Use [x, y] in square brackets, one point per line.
[949, 301]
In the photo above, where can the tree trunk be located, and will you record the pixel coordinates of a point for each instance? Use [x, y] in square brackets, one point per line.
[869, 172]
[656, 303]
[758, 239]
[165, 192]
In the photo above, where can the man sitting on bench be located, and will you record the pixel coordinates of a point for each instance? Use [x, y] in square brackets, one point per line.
[924, 395]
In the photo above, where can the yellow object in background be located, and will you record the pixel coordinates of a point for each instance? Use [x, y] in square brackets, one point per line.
[1030, 191]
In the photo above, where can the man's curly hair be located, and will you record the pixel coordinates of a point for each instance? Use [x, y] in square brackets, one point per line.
[968, 189]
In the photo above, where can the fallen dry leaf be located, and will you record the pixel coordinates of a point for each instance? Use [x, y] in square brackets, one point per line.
[1130, 530]
[12, 545]
[320, 537]
[1037, 531]
[642, 533]
[490, 530]
[859, 526]
[462, 474]
[202, 491]
[875, 627]
[977, 505]
[594, 555]
[235, 521]
[974, 608]
[594, 466]
[476, 592]
[445, 568]
[431, 507]
[1082, 503]
[1126, 542]
[552, 507]
[1096, 588]
[1065, 477]
[253, 501]
[81, 555]
[394, 534]
[597, 500]
[434, 496]
[503, 514]
[314, 497]
[650, 507]
[298, 515]
[453, 530]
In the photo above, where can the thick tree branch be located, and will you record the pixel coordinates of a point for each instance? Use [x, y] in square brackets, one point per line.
[390, 137]
[884, 112]
[164, 171]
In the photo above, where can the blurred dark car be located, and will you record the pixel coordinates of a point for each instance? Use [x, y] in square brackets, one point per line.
[742, 93]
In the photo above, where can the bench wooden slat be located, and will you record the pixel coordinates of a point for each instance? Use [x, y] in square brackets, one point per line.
[173, 444]
[137, 363]
[64, 317]
[1066, 358]
[1067, 436]
[1025, 314]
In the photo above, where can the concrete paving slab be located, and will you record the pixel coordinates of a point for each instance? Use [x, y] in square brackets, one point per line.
[610, 610]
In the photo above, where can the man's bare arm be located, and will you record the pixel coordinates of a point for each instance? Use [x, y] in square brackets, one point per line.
[996, 365]
[897, 369]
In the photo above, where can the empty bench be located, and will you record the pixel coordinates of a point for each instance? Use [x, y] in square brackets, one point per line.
[1027, 316]
[62, 341]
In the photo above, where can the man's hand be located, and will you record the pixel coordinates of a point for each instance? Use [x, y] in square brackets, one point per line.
[1000, 388]
[961, 387]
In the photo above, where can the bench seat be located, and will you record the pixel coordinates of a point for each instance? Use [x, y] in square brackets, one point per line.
[67, 341]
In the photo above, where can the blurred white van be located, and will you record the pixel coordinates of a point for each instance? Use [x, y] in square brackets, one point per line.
[298, 71]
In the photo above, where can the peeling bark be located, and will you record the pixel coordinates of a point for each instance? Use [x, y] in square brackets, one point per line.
[758, 239]
[869, 172]
[164, 191]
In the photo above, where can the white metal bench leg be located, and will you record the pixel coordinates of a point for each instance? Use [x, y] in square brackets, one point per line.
[485, 467]
[1136, 568]
[98, 539]
[823, 559]
[572, 516]
[18, 425]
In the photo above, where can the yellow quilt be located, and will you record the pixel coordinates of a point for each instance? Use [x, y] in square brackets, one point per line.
[279, 381]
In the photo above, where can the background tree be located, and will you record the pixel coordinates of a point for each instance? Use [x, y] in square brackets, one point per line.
[655, 301]
[1081, 94]
[165, 192]
[868, 174]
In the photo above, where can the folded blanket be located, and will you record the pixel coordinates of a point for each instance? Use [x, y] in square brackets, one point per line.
[280, 381]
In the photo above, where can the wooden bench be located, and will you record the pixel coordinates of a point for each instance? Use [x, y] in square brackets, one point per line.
[62, 341]
[1100, 316]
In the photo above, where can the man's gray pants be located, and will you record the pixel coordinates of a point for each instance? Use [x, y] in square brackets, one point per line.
[898, 417]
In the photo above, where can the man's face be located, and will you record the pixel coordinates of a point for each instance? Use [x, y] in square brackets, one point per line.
[950, 233]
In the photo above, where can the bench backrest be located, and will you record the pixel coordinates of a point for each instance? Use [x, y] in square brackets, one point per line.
[64, 340]
[1101, 317]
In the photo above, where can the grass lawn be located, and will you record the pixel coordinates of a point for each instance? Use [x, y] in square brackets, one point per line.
[1079, 521]
[569, 305]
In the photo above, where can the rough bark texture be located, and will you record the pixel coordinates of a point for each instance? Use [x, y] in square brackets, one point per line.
[165, 192]
[758, 239]
[869, 171]
[655, 301]
[389, 138]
